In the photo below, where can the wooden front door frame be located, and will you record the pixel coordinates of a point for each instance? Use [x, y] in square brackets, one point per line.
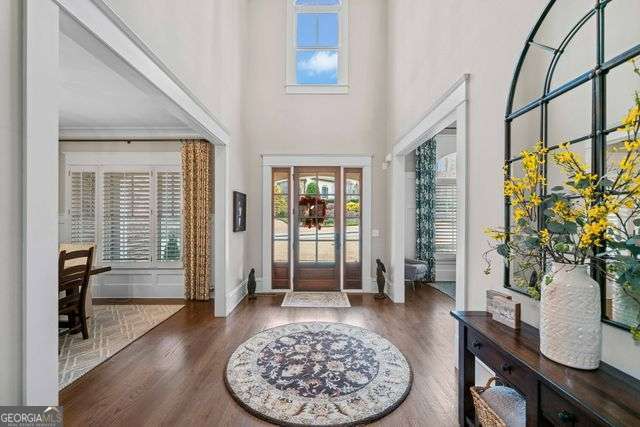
[270, 161]
[338, 214]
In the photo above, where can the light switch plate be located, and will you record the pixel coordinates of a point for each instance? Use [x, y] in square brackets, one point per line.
[375, 232]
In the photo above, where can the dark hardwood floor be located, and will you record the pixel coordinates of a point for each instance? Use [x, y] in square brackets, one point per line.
[173, 375]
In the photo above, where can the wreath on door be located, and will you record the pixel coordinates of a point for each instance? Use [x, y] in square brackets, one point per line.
[316, 207]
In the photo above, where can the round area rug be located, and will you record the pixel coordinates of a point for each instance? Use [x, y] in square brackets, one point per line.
[321, 374]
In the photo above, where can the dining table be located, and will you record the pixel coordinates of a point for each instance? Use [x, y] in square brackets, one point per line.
[98, 270]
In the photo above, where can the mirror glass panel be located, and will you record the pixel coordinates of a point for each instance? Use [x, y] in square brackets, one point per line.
[525, 132]
[578, 56]
[561, 18]
[622, 27]
[531, 82]
[621, 84]
[555, 174]
[569, 116]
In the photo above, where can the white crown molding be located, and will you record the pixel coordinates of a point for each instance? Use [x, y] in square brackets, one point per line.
[137, 133]
[98, 28]
[122, 159]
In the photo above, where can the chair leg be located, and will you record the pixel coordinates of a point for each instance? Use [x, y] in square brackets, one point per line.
[85, 330]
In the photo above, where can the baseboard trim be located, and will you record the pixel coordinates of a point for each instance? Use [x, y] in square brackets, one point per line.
[236, 295]
[371, 287]
[137, 301]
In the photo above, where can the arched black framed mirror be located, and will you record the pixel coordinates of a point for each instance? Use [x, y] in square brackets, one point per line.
[572, 84]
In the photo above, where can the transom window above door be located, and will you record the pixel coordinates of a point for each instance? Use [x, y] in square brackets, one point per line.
[317, 46]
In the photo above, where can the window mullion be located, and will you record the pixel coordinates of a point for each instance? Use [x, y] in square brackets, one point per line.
[312, 48]
[99, 213]
[153, 214]
[317, 9]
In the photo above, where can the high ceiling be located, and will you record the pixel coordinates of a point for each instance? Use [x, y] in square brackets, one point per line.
[93, 96]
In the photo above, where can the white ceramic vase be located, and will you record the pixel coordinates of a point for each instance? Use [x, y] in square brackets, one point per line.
[570, 323]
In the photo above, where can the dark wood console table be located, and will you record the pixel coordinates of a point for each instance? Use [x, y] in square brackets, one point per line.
[555, 394]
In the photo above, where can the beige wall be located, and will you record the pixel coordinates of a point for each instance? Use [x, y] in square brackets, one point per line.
[10, 200]
[203, 44]
[431, 44]
[278, 123]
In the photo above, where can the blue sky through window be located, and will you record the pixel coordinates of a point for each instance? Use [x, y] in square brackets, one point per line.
[317, 43]
[317, 30]
[317, 67]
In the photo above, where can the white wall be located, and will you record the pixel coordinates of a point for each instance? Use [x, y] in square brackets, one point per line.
[431, 44]
[203, 42]
[278, 123]
[10, 200]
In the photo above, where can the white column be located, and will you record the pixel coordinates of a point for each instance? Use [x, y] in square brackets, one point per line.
[397, 230]
[222, 211]
[266, 227]
[40, 204]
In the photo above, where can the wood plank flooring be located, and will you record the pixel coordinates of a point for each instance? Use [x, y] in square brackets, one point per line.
[173, 375]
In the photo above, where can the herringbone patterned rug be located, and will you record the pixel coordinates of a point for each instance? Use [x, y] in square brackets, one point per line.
[111, 328]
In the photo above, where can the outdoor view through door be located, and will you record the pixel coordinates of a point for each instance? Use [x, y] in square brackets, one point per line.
[321, 212]
[317, 229]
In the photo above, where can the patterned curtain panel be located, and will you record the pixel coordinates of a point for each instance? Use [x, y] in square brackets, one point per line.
[426, 206]
[197, 193]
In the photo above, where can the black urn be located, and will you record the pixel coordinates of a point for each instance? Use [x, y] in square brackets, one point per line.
[251, 284]
[380, 279]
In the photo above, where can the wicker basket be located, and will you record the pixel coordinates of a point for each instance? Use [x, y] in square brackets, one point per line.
[485, 416]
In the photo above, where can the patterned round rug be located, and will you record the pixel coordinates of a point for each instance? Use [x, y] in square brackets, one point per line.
[318, 374]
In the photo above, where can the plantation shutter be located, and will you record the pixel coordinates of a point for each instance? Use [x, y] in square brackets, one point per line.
[82, 209]
[169, 210]
[127, 216]
[445, 215]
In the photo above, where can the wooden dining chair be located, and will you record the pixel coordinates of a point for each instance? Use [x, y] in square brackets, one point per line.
[73, 284]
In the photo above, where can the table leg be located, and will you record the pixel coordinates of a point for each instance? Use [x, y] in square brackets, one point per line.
[466, 378]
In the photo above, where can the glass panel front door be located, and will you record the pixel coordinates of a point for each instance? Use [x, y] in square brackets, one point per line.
[352, 228]
[280, 271]
[316, 229]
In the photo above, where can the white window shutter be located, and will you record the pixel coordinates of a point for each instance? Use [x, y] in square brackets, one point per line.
[82, 207]
[126, 216]
[169, 216]
[445, 216]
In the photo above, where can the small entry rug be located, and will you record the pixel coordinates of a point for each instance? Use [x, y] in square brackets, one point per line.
[111, 328]
[316, 299]
[318, 374]
[448, 288]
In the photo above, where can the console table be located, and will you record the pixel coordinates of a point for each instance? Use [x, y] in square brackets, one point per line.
[555, 394]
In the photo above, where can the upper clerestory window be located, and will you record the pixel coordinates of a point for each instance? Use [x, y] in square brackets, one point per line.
[317, 46]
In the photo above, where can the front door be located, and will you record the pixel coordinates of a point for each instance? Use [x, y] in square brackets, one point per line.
[316, 229]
